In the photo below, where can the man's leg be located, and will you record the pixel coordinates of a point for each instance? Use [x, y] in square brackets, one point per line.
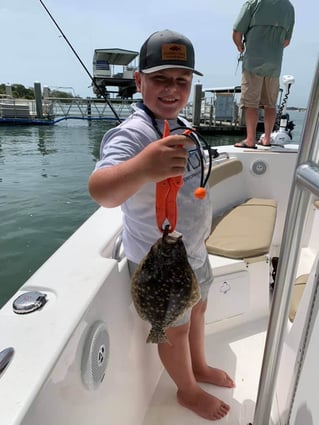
[251, 87]
[269, 122]
[251, 118]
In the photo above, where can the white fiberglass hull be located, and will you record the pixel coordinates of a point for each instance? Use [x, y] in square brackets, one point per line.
[54, 376]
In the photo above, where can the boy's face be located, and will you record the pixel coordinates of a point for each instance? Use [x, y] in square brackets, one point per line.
[165, 92]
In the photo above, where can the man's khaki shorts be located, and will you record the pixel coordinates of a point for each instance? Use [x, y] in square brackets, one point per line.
[257, 91]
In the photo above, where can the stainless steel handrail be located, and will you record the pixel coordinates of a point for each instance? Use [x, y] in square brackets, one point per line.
[116, 251]
[306, 182]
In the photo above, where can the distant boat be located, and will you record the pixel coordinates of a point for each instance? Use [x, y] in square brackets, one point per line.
[113, 73]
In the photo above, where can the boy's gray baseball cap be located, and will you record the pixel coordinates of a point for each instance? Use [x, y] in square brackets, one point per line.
[167, 49]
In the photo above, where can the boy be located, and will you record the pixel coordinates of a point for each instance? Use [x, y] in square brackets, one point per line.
[134, 156]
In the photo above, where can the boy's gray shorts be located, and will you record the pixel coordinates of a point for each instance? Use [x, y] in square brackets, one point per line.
[204, 277]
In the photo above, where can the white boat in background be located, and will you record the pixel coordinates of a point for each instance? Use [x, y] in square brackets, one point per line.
[113, 73]
[72, 347]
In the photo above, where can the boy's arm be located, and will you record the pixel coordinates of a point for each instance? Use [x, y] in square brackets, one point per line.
[111, 186]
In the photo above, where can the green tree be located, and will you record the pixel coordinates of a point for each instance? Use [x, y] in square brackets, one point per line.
[19, 91]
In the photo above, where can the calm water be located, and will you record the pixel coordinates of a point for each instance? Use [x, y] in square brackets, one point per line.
[43, 191]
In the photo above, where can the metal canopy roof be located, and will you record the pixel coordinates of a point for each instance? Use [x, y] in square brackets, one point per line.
[116, 56]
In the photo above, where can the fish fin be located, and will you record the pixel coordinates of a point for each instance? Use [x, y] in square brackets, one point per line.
[157, 336]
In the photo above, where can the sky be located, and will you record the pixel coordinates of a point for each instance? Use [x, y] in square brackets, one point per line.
[32, 48]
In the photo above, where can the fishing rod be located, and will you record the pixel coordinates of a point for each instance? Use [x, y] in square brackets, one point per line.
[81, 62]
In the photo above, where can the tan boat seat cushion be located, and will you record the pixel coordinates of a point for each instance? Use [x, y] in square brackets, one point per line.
[223, 171]
[297, 292]
[245, 231]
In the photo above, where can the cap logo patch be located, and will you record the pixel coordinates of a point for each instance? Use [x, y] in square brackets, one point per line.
[172, 51]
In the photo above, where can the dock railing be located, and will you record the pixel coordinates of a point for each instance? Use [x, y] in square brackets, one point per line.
[65, 108]
[90, 108]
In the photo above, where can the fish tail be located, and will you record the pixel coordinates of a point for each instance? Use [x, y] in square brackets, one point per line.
[157, 336]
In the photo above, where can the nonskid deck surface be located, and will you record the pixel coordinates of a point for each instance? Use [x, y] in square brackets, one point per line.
[239, 352]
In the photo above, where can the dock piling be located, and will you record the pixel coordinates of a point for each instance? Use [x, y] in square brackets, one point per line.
[197, 103]
[38, 99]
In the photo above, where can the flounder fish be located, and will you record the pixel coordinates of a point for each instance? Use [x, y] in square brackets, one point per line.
[164, 285]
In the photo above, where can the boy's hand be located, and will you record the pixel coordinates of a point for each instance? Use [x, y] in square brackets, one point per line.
[165, 158]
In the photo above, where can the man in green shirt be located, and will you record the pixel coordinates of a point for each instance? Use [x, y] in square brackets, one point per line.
[261, 31]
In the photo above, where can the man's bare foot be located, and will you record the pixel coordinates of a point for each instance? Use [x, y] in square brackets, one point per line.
[214, 376]
[203, 404]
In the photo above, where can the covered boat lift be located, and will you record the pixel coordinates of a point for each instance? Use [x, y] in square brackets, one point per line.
[114, 68]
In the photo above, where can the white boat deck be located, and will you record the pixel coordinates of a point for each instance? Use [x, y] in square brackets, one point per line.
[238, 351]
[85, 286]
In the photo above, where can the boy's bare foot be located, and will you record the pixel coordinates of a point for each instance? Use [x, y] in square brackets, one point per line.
[203, 404]
[214, 376]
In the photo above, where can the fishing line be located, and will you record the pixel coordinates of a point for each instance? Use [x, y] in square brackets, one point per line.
[81, 62]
